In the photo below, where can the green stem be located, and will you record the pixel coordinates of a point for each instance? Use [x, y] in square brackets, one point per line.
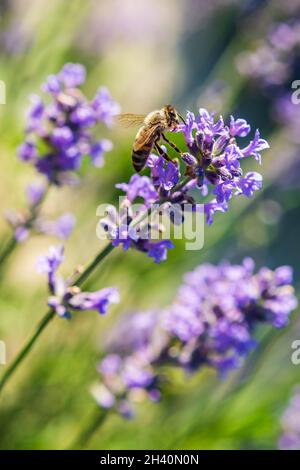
[97, 419]
[48, 317]
[90, 268]
[180, 185]
[8, 249]
[26, 348]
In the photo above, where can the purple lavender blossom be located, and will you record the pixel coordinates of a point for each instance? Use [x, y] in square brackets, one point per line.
[21, 234]
[228, 301]
[214, 206]
[103, 396]
[99, 300]
[98, 151]
[22, 222]
[239, 127]
[60, 228]
[139, 187]
[212, 175]
[27, 151]
[287, 114]
[165, 175]
[72, 75]
[49, 264]
[217, 157]
[137, 374]
[210, 323]
[123, 339]
[271, 64]
[35, 192]
[64, 126]
[158, 251]
[255, 147]
[290, 423]
[127, 369]
[121, 227]
[23, 226]
[104, 106]
[28, 221]
[64, 297]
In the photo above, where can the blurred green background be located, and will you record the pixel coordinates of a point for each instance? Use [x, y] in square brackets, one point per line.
[148, 54]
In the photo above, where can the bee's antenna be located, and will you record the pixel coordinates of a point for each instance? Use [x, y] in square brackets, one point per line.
[182, 118]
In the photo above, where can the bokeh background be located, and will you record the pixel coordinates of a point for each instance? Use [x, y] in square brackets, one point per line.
[190, 53]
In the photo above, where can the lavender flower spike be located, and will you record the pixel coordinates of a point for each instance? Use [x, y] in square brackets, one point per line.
[64, 126]
[206, 177]
[60, 228]
[211, 323]
[65, 297]
[49, 264]
[99, 300]
[29, 221]
[290, 423]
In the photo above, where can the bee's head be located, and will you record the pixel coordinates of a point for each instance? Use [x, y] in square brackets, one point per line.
[172, 116]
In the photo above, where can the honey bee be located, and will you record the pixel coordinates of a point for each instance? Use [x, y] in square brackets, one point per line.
[151, 132]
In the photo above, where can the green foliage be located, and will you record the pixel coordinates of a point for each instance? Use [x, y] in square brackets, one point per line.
[48, 402]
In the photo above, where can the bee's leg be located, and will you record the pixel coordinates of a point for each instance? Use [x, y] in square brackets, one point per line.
[171, 144]
[165, 155]
[162, 153]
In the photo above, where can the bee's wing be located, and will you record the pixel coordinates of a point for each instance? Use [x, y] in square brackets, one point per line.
[146, 136]
[128, 119]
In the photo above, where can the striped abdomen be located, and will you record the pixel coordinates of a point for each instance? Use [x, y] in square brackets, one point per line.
[143, 144]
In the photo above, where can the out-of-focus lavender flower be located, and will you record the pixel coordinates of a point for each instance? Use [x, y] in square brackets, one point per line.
[28, 151]
[104, 106]
[72, 75]
[209, 175]
[50, 263]
[224, 304]
[58, 134]
[60, 228]
[290, 423]
[127, 371]
[66, 297]
[210, 323]
[98, 151]
[27, 221]
[21, 233]
[143, 322]
[273, 68]
[16, 36]
[287, 114]
[34, 193]
[274, 60]
[115, 24]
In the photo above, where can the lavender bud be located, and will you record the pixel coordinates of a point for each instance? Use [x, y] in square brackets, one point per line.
[220, 144]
